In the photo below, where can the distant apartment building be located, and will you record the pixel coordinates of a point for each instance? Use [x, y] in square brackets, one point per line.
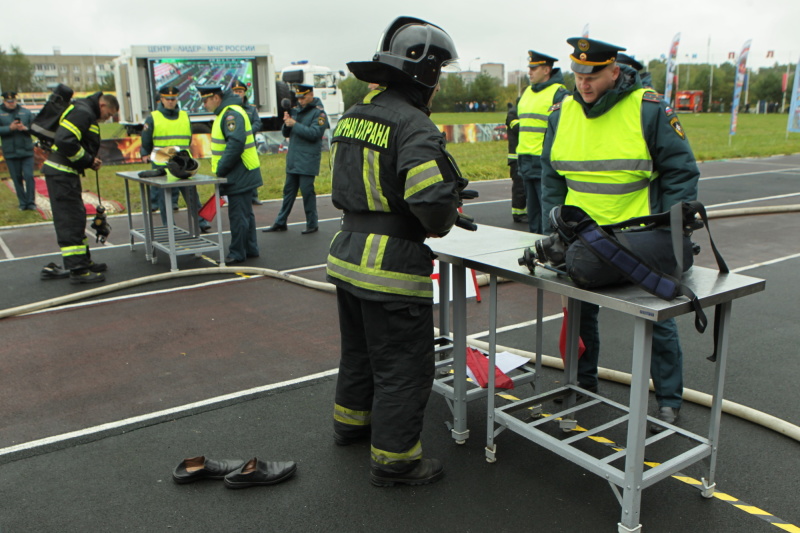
[495, 70]
[518, 78]
[81, 73]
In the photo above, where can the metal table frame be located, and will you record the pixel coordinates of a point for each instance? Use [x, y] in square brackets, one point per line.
[172, 239]
[710, 286]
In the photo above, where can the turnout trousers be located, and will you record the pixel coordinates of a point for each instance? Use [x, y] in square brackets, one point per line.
[385, 376]
[69, 219]
[530, 170]
[518, 202]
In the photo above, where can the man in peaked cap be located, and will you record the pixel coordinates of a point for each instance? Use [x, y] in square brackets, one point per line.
[15, 123]
[239, 88]
[304, 125]
[533, 108]
[234, 157]
[617, 151]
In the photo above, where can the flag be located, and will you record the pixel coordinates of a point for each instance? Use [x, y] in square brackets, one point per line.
[585, 33]
[209, 209]
[794, 108]
[671, 66]
[562, 339]
[731, 55]
[741, 72]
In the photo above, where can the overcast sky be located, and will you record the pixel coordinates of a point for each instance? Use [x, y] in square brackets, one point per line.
[333, 32]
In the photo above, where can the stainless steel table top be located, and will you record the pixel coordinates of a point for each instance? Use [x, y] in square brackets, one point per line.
[161, 181]
[496, 250]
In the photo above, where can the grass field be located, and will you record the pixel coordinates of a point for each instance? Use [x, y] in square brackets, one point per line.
[757, 136]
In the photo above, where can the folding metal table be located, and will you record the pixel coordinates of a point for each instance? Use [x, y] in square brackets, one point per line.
[172, 239]
[489, 250]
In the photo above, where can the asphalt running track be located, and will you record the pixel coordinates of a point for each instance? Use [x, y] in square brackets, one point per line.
[101, 400]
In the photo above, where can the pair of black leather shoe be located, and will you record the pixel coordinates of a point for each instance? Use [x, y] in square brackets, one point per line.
[310, 230]
[236, 473]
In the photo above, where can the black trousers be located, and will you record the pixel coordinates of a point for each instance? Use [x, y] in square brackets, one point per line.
[519, 204]
[69, 218]
[385, 374]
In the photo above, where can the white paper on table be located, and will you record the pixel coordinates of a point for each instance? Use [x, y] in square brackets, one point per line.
[505, 361]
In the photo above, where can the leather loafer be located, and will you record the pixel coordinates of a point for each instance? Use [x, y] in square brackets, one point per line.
[668, 415]
[196, 468]
[310, 230]
[424, 472]
[275, 227]
[257, 473]
[230, 260]
[257, 202]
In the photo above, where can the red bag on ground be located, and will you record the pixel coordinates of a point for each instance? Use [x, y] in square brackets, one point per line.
[479, 364]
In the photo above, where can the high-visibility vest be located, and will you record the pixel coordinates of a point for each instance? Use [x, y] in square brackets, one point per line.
[533, 110]
[176, 132]
[250, 154]
[604, 160]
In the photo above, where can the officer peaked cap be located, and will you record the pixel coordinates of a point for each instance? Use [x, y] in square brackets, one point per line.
[238, 84]
[625, 59]
[208, 90]
[536, 59]
[302, 88]
[168, 90]
[9, 95]
[589, 55]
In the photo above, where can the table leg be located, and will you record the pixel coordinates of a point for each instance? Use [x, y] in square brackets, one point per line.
[637, 425]
[130, 215]
[491, 448]
[173, 260]
[147, 221]
[716, 403]
[219, 226]
[460, 432]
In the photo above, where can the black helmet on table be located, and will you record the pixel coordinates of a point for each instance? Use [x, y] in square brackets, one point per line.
[410, 49]
[182, 165]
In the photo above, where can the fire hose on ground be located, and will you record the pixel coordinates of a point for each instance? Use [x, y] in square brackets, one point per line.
[728, 407]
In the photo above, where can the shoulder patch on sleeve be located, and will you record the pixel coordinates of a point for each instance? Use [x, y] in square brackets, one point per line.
[554, 107]
[650, 96]
[676, 125]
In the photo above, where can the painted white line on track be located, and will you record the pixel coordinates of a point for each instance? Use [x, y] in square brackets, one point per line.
[751, 200]
[749, 174]
[5, 249]
[157, 414]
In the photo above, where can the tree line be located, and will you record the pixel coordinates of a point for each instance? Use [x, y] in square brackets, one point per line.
[715, 80]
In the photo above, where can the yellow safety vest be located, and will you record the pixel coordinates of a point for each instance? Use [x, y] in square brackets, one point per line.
[604, 160]
[250, 154]
[533, 110]
[176, 132]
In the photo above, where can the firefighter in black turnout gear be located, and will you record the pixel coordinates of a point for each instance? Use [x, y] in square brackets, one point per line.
[75, 149]
[397, 185]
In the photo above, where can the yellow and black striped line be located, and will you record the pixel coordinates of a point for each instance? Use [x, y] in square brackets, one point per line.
[735, 502]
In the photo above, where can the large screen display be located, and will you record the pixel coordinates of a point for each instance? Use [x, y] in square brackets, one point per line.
[187, 74]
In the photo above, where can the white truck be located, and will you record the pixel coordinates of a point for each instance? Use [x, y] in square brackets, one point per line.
[141, 70]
